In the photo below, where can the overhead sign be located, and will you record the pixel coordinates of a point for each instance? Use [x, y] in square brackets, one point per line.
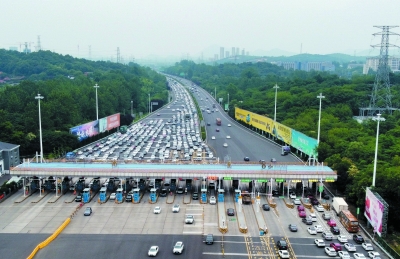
[228, 178]
[262, 180]
[279, 180]
[245, 180]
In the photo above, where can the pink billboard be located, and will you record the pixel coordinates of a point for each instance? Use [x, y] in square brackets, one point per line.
[374, 211]
[113, 121]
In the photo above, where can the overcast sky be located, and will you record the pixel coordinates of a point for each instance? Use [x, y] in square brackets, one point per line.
[188, 28]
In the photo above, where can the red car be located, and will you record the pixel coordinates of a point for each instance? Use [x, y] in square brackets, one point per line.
[302, 214]
[300, 208]
[336, 246]
[331, 223]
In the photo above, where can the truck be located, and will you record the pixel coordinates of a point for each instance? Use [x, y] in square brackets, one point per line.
[218, 122]
[339, 204]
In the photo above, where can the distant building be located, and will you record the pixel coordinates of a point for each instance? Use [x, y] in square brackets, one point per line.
[227, 54]
[233, 52]
[237, 52]
[247, 53]
[306, 66]
[13, 48]
[242, 52]
[221, 52]
[9, 157]
[351, 66]
[373, 62]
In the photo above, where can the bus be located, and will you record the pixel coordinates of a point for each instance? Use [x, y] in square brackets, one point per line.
[349, 222]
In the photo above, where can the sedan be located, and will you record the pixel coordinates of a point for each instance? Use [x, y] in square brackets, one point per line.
[335, 230]
[297, 201]
[189, 219]
[230, 212]
[302, 214]
[327, 236]
[319, 228]
[330, 251]
[293, 227]
[344, 255]
[225, 144]
[157, 210]
[336, 246]
[319, 208]
[175, 208]
[229, 125]
[358, 239]
[331, 223]
[228, 136]
[367, 246]
[359, 256]
[374, 255]
[283, 254]
[350, 247]
[312, 231]
[266, 207]
[213, 137]
[153, 251]
[88, 211]
[342, 239]
[292, 196]
[246, 159]
[319, 242]
[112, 196]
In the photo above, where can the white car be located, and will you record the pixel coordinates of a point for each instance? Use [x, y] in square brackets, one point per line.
[213, 200]
[367, 246]
[344, 255]
[225, 144]
[292, 196]
[350, 247]
[374, 255]
[178, 248]
[213, 137]
[297, 201]
[313, 217]
[319, 242]
[229, 125]
[319, 208]
[283, 254]
[359, 256]
[312, 231]
[342, 238]
[189, 219]
[228, 136]
[112, 196]
[330, 251]
[157, 210]
[153, 251]
[319, 228]
[175, 208]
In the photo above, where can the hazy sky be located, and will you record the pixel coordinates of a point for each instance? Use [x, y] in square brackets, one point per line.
[186, 27]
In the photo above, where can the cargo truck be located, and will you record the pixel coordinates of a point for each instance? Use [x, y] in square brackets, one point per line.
[339, 204]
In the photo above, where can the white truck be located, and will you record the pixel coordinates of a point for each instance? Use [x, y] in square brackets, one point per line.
[339, 204]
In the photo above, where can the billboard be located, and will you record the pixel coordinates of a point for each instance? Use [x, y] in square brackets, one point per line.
[374, 210]
[304, 143]
[93, 128]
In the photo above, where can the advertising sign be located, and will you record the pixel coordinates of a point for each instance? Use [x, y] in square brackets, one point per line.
[258, 121]
[304, 143]
[93, 128]
[282, 132]
[113, 121]
[374, 211]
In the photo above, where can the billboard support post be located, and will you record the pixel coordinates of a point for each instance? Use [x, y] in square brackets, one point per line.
[97, 103]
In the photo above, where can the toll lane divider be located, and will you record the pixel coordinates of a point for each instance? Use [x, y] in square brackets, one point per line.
[50, 238]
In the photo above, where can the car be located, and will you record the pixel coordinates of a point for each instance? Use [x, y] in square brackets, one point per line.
[213, 137]
[319, 208]
[282, 245]
[178, 248]
[78, 198]
[157, 210]
[319, 228]
[331, 223]
[213, 200]
[247, 159]
[292, 195]
[189, 219]
[158, 114]
[293, 227]
[342, 238]
[163, 193]
[350, 247]
[312, 231]
[319, 242]
[326, 216]
[374, 255]
[228, 136]
[225, 145]
[195, 196]
[217, 129]
[230, 212]
[275, 193]
[229, 125]
[300, 208]
[153, 251]
[344, 255]
[335, 230]
[367, 246]
[88, 211]
[175, 208]
[327, 236]
[273, 160]
[336, 246]
[128, 198]
[266, 207]
[283, 254]
[313, 217]
[359, 256]
[302, 214]
[180, 190]
[358, 239]
[208, 124]
[330, 251]
[296, 202]
[306, 221]
[209, 240]
[112, 196]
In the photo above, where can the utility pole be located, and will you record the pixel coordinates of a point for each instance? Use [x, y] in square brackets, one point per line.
[118, 56]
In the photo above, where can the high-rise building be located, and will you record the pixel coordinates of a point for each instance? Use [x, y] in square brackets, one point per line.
[242, 52]
[227, 54]
[237, 52]
[373, 62]
[247, 53]
[221, 52]
[233, 51]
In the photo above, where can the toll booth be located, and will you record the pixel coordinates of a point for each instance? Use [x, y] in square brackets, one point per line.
[103, 194]
[221, 195]
[153, 195]
[136, 195]
[86, 195]
[119, 195]
[204, 195]
[237, 194]
[173, 185]
[189, 185]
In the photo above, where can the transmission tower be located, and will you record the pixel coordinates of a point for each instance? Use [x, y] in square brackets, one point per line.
[381, 99]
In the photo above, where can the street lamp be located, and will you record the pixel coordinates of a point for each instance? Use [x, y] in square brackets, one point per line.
[378, 118]
[276, 91]
[39, 97]
[320, 97]
[149, 103]
[97, 104]
[228, 102]
[131, 107]
[215, 93]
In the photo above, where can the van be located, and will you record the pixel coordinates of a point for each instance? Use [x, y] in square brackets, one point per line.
[326, 216]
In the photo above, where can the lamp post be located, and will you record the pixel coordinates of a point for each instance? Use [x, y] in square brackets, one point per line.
[131, 107]
[97, 104]
[149, 103]
[320, 97]
[39, 97]
[228, 102]
[378, 118]
[215, 93]
[276, 91]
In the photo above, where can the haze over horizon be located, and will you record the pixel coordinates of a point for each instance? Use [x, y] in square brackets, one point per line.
[187, 28]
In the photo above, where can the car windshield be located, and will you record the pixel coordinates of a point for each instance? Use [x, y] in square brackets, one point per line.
[153, 249]
[178, 246]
